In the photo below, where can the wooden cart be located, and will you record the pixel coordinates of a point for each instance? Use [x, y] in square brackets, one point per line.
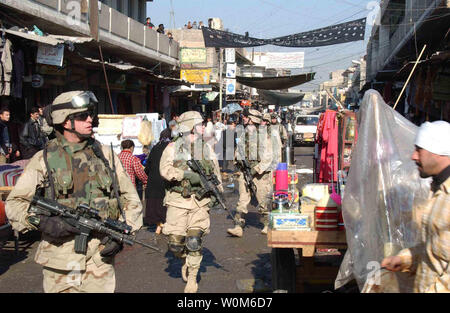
[289, 275]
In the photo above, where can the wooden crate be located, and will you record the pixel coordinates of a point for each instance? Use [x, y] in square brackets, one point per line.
[308, 241]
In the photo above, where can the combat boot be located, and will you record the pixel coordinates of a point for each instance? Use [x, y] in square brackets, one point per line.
[237, 231]
[191, 286]
[184, 269]
[264, 230]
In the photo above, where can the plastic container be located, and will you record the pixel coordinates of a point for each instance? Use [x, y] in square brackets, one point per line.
[326, 214]
[281, 179]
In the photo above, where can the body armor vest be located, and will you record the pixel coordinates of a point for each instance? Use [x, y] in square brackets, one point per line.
[80, 178]
[181, 156]
[251, 147]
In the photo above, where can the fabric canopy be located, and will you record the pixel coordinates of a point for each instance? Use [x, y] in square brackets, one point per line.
[232, 108]
[281, 98]
[222, 39]
[331, 35]
[274, 83]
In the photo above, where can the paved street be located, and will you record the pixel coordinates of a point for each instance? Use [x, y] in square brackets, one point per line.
[236, 265]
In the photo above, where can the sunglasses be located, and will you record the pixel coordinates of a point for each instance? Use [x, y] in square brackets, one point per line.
[82, 116]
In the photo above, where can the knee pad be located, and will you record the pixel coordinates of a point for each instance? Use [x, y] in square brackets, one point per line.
[194, 241]
[176, 245]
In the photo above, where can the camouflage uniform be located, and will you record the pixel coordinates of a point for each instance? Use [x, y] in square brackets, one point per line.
[278, 138]
[258, 149]
[187, 217]
[79, 176]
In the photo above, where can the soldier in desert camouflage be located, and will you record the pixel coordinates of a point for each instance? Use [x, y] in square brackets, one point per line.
[255, 146]
[74, 169]
[187, 216]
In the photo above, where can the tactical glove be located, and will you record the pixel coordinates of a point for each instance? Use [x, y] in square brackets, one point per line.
[56, 227]
[253, 171]
[112, 247]
[193, 177]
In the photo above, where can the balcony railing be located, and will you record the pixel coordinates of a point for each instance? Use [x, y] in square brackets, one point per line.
[113, 22]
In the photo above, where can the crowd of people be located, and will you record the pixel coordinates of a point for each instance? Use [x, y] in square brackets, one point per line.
[23, 142]
[194, 25]
[160, 29]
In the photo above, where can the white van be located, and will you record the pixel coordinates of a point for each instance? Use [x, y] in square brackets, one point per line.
[305, 128]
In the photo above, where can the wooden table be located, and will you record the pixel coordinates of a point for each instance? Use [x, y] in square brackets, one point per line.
[286, 274]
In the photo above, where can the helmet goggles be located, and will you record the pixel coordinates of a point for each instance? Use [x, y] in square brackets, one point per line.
[87, 99]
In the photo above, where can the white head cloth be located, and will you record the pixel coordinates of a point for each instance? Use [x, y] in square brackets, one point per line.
[434, 137]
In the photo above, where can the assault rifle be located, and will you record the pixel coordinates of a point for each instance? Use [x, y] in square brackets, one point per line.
[210, 183]
[246, 171]
[86, 219]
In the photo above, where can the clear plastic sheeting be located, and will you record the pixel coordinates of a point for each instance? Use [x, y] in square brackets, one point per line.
[382, 189]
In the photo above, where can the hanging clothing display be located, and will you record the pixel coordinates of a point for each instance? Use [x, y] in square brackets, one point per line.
[6, 68]
[440, 84]
[327, 138]
[18, 59]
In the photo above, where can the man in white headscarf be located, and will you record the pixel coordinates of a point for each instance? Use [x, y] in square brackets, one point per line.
[430, 259]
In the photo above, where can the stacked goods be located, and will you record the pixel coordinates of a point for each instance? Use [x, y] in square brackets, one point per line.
[285, 213]
[326, 214]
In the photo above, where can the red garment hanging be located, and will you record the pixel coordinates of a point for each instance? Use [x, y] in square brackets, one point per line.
[328, 138]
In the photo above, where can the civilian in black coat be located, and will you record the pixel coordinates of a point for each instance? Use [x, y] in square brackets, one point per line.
[155, 211]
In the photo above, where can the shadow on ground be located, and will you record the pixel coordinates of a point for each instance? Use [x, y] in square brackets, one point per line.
[8, 255]
[174, 264]
[262, 272]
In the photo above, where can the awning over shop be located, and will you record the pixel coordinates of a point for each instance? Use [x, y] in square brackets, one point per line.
[193, 88]
[275, 83]
[52, 40]
[144, 73]
[281, 98]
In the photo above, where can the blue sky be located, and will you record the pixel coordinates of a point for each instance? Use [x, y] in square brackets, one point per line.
[274, 18]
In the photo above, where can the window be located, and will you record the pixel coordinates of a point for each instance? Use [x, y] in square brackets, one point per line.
[307, 120]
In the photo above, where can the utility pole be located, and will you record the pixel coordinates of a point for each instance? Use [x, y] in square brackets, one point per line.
[220, 77]
[172, 15]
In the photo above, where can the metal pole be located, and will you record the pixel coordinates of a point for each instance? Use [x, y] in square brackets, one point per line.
[410, 75]
[106, 79]
[220, 77]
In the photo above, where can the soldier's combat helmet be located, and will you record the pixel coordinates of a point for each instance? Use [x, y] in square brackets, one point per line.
[69, 103]
[255, 116]
[266, 117]
[188, 120]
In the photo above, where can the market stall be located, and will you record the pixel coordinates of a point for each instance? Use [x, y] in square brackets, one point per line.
[143, 129]
[315, 222]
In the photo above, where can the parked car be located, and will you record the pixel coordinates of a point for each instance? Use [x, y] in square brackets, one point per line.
[305, 129]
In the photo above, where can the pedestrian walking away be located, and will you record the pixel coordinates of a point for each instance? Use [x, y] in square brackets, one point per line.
[155, 211]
